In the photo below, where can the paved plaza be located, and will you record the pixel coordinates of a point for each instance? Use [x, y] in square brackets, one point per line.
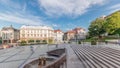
[16, 57]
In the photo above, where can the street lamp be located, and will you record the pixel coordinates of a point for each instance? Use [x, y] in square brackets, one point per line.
[118, 39]
[76, 38]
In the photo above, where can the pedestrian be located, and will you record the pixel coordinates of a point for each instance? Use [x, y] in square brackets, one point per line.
[56, 45]
[31, 47]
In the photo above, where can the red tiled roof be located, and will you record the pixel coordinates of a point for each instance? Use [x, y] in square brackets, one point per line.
[71, 31]
[78, 28]
[57, 30]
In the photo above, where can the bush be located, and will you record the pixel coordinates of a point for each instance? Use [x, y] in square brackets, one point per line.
[30, 41]
[0, 41]
[23, 43]
[93, 42]
[38, 41]
[69, 42]
[106, 42]
[44, 42]
[79, 42]
[50, 41]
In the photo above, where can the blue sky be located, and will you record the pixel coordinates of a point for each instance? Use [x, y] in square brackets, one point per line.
[59, 14]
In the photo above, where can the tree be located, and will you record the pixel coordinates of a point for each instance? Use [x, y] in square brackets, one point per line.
[117, 31]
[112, 23]
[96, 27]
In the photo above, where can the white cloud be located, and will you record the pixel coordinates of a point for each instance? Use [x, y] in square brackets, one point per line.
[113, 8]
[67, 7]
[55, 25]
[11, 4]
[21, 19]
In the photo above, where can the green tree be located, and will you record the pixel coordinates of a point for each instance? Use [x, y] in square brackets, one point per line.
[96, 27]
[112, 23]
[117, 31]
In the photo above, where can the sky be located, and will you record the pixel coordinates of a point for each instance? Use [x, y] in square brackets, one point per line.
[59, 14]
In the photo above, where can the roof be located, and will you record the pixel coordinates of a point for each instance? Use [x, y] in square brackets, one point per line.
[57, 30]
[8, 28]
[35, 27]
[78, 28]
[70, 31]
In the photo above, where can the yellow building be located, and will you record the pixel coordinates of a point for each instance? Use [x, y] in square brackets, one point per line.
[36, 33]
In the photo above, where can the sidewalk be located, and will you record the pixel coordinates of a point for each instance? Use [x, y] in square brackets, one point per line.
[72, 59]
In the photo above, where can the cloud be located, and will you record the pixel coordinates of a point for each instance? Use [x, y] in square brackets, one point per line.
[11, 4]
[21, 19]
[55, 25]
[114, 8]
[67, 7]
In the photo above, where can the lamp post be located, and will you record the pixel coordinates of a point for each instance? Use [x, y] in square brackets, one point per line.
[76, 38]
[118, 39]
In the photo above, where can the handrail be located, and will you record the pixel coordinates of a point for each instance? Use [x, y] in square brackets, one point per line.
[54, 64]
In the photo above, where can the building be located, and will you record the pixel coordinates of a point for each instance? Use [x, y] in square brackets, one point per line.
[80, 33]
[36, 33]
[75, 34]
[0, 37]
[69, 35]
[0, 34]
[9, 35]
[58, 36]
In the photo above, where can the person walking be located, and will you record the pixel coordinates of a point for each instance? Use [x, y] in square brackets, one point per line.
[31, 47]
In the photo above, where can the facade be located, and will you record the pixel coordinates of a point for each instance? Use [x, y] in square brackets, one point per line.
[58, 36]
[9, 35]
[75, 34]
[0, 34]
[69, 35]
[80, 33]
[0, 37]
[36, 33]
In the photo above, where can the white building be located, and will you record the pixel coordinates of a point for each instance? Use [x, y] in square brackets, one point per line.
[75, 34]
[0, 37]
[0, 34]
[58, 36]
[80, 33]
[36, 33]
[9, 35]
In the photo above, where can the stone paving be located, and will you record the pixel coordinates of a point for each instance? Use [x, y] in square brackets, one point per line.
[17, 56]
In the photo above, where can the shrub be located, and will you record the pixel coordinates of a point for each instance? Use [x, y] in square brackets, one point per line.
[79, 42]
[0, 41]
[93, 42]
[38, 41]
[23, 43]
[50, 41]
[30, 41]
[44, 42]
